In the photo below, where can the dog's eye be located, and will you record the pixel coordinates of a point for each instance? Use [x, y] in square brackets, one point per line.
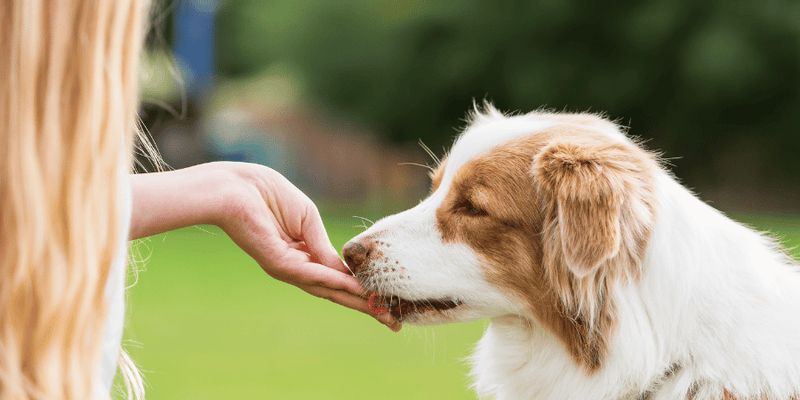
[471, 209]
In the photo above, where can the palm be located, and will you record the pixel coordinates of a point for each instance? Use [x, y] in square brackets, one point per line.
[277, 225]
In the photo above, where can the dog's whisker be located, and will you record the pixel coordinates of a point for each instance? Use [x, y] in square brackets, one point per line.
[363, 292]
[430, 152]
[363, 219]
[433, 346]
[348, 268]
[428, 167]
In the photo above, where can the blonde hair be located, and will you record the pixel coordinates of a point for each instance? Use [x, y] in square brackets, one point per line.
[68, 98]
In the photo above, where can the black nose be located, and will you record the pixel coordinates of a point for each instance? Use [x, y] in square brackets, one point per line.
[356, 253]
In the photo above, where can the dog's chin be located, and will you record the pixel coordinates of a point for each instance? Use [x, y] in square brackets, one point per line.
[464, 313]
[427, 318]
[424, 311]
[433, 317]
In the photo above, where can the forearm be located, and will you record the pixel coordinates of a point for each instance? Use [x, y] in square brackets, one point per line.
[176, 199]
[262, 212]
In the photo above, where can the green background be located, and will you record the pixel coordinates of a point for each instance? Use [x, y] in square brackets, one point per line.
[204, 322]
[715, 84]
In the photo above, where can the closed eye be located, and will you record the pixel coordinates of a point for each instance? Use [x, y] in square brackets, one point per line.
[469, 208]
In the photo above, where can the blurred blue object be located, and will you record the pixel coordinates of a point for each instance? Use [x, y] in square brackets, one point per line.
[194, 44]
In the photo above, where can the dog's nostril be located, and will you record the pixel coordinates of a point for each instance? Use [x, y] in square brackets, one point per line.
[355, 254]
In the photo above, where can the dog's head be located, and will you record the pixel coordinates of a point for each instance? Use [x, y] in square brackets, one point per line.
[538, 215]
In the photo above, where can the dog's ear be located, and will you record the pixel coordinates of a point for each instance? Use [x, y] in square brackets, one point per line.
[584, 185]
[598, 205]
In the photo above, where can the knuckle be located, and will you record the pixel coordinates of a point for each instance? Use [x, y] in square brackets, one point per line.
[330, 296]
[315, 281]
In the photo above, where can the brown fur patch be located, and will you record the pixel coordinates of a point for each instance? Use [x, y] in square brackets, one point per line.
[558, 215]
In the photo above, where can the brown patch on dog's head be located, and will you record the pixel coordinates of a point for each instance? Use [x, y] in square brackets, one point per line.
[563, 217]
[599, 205]
[585, 184]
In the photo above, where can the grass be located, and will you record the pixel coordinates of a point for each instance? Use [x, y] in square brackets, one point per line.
[210, 324]
[205, 322]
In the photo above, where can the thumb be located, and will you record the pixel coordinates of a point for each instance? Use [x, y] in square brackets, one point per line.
[316, 238]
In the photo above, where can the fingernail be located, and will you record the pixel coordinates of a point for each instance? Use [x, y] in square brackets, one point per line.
[395, 327]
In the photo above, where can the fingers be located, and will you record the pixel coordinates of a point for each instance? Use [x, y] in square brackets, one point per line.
[336, 286]
[319, 244]
[351, 301]
[317, 275]
[293, 265]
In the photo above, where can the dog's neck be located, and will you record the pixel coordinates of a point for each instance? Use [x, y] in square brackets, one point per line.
[519, 359]
[721, 300]
[715, 299]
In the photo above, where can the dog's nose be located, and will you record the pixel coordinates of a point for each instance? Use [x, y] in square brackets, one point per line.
[356, 253]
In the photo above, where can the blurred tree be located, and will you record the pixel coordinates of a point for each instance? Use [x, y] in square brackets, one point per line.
[693, 76]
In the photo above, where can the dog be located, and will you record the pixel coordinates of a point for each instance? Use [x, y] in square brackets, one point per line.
[602, 276]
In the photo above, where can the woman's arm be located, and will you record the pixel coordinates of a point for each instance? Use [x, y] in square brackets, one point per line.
[264, 214]
[176, 199]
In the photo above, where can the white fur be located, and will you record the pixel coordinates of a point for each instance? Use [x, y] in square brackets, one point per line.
[715, 297]
[437, 269]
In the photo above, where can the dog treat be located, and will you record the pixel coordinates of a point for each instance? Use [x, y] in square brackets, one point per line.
[374, 306]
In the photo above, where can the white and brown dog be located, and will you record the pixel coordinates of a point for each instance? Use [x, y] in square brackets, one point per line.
[603, 277]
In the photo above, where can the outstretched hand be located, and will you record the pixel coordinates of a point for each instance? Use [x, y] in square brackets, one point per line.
[280, 227]
[264, 214]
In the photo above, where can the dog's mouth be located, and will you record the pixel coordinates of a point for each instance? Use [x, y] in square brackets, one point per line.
[401, 308]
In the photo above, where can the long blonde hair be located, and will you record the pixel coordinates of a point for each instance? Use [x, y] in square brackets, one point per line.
[68, 98]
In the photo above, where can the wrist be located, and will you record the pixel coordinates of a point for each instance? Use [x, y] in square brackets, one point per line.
[232, 189]
[175, 199]
[219, 189]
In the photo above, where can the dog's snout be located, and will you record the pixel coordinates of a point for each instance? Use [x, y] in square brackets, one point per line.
[356, 253]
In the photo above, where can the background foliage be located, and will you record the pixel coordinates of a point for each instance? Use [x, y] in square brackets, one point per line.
[696, 77]
[716, 82]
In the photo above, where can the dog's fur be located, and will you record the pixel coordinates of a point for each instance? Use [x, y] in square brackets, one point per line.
[603, 277]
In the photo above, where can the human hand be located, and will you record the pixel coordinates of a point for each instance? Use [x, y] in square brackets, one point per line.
[280, 227]
[264, 214]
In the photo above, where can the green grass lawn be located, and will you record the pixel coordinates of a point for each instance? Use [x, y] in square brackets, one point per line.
[205, 322]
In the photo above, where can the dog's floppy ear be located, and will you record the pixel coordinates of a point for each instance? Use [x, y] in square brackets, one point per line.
[583, 184]
[598, 205]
